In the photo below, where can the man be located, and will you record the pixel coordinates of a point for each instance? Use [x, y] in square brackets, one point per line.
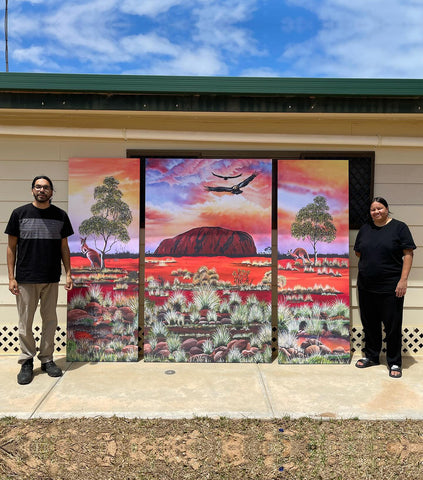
[37, 243]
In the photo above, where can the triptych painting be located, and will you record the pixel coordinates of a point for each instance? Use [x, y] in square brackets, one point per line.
[209, 266]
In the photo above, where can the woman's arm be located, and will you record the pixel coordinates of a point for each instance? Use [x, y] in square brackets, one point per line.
[406, 267]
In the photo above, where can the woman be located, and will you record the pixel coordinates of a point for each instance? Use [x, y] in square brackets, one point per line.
[385, 249]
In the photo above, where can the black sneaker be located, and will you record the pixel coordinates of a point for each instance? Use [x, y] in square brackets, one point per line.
[26, 374]
[52, 369]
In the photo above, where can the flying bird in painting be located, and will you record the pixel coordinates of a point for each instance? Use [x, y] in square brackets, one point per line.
[235, 189]
[225, 177]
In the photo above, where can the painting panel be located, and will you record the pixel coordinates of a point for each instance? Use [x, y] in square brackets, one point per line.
[208, 260]
[313, 262]
[103, 306]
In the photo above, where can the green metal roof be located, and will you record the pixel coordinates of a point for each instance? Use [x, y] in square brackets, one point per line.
[209, 94]
[143, 84]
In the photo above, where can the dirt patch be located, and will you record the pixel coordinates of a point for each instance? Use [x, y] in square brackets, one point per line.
[134, 449]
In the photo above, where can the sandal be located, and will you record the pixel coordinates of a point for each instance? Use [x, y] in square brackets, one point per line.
[395, 371]
[365, 362]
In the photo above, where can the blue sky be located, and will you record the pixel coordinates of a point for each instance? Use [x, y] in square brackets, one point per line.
[273, 38]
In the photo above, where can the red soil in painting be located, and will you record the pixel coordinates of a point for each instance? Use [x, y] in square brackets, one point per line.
[225, 267]
[129, 264]
[308, 280]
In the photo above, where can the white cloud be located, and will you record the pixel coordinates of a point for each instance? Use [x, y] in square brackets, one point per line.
[98, 36]
[33, 55]
[204, 61]
[88, 25]
[150, 8]
[32, 1]
[381, 38]
[260, 72]
[338, 38]
[220, 24]
[138, 45]
[200, 62]
[22, 26]
[201, 38]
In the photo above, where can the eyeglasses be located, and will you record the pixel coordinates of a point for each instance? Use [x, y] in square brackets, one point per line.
[46, 188]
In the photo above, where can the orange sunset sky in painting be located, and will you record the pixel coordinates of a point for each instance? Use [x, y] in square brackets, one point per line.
[177, 200]
[87, 173]
[299, 182]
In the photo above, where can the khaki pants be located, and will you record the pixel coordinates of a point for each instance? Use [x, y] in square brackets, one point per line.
[27, 302]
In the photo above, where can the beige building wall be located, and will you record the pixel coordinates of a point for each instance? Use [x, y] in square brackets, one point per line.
[41, 142]
[399, 178]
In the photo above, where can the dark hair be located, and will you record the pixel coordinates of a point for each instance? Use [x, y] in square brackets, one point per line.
[45, 178]
[380, 200]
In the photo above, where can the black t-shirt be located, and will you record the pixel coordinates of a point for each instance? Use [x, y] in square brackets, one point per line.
[381, 255]
[40, 233]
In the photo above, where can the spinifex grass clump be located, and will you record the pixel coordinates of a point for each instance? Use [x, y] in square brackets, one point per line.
[265, 334]
[256, 314]
[174, 318]
[208, 346]
[94, 294]
[339, 309]
[206, 298]
[221, 336]
[173, 342]
[234, 356]
[234, 300]
[211, 316]
[240, 316]
[180, 356]
[177, 301]
[159, 329]
[77, 302]
[287, 339]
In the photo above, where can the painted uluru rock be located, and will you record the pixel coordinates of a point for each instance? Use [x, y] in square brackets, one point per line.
[208, 241]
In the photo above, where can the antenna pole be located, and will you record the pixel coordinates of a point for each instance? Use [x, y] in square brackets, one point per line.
[6, 39]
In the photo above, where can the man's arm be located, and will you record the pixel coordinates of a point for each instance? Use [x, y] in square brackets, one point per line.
[11, 260]
[66, 263]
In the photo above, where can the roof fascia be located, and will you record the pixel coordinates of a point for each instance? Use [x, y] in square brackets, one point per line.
[138, 84]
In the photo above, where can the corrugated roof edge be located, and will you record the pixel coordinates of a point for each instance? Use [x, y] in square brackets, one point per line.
[146, 84]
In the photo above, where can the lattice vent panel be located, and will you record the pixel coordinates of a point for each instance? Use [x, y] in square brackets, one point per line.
[412, 340]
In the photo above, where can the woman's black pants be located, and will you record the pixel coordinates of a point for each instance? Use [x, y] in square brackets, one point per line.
[377, 310]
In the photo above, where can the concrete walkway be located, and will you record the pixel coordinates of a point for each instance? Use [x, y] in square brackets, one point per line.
[153, 390]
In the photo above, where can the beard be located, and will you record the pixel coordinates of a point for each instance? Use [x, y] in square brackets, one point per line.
[41, 198]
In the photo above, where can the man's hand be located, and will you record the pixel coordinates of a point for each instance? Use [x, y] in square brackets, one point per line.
[13, 287]
[69, 283]
[66, 263]
[11, 260]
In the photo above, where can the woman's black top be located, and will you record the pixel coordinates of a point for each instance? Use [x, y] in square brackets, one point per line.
[381, 255]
